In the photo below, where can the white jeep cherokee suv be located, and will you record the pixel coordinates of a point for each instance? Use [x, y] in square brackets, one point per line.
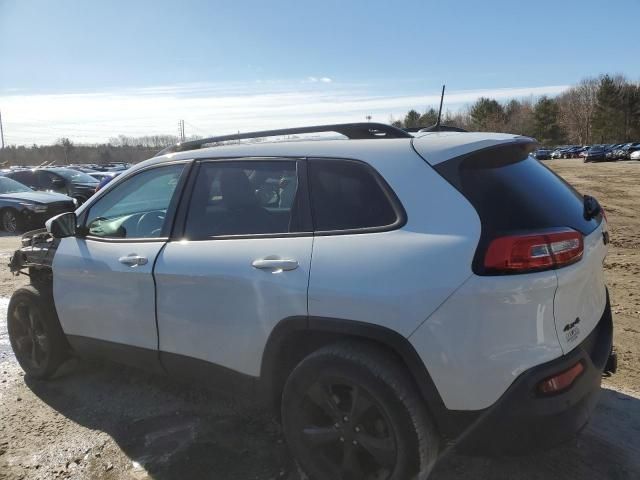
[389, 294]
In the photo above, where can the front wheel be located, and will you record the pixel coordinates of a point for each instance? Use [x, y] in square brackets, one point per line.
[350, 411]
[11, 220]
[35, 333]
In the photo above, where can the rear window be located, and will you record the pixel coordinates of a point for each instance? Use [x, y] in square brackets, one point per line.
[515, 193]
[349, 195]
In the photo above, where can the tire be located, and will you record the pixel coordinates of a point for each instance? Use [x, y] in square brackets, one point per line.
[351, 411]
[35, 334]
[11, 220]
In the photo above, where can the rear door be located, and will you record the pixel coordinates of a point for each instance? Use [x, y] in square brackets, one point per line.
[240, 266]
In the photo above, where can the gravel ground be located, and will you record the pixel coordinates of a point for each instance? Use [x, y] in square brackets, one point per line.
[108, 422]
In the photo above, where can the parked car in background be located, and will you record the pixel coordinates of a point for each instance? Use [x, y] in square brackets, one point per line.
[596, 153]
[612, 152]
[618, 152]
[635, 155]
[629, 149]
[542, 154]
[22, 208]
[70, 182]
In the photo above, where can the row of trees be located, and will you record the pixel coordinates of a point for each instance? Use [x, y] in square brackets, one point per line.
[119, 149]
[596, 110]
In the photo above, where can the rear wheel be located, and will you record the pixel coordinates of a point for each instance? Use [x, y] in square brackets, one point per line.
[11, 220]
[35, 333]
[350, 411]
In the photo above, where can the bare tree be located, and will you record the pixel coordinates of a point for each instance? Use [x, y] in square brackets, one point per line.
[577, 106]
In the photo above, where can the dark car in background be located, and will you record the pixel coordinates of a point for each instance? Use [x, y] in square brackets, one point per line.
[596, 153]
[69, 182]
[612, 152]
[542, 154]
[22, 208]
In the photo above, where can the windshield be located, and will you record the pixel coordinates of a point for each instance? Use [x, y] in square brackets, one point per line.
[8, 185]
[75, 176]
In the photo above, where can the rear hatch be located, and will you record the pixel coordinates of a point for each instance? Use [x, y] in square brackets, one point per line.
[542, 223]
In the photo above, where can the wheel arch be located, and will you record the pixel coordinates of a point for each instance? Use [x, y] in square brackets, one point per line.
[296, 337]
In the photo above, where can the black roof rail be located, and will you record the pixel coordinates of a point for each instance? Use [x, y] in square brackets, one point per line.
[434, 128]
[353, 131]
[441, 128]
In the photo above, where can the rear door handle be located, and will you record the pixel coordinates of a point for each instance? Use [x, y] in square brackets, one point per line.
[275, 264]
[133, 260]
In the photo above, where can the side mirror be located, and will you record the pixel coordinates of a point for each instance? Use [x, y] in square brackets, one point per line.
[62, 226]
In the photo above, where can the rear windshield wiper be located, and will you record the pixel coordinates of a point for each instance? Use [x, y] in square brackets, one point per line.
[591, 207]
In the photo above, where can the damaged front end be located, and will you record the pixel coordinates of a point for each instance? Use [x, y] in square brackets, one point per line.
[35, 257]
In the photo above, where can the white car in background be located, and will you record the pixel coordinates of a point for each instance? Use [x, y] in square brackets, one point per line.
[635, 155]
[387, 294]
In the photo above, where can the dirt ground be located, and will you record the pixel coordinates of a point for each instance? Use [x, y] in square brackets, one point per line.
[108, 422]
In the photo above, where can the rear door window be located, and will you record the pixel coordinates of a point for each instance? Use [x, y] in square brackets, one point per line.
[348, 195]
[245, 197]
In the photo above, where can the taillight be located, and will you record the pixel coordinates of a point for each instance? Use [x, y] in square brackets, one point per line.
[533, 252]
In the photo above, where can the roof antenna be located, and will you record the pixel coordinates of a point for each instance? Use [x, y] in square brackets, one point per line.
[440, 110]
[438, 127]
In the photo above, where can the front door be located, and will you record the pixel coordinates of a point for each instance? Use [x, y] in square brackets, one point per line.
[241, 266]
[103, 281]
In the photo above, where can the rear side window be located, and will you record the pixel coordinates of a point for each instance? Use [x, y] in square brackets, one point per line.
[349, 195]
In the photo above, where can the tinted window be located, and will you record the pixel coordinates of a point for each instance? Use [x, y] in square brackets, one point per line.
[25, 177]
[75, 176]
[244, 198]
[45, 179]
[137, 207]
[347, 195]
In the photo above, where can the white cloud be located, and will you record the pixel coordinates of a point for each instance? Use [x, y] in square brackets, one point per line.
[214, 109]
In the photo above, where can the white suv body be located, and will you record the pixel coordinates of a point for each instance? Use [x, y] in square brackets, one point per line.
[410, 278]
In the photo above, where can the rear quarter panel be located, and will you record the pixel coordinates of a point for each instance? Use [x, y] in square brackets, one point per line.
[396, 279]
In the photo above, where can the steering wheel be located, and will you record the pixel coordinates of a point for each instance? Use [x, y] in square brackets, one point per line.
[150, 222]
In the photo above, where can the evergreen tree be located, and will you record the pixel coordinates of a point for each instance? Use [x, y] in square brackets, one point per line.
[546, 115]
[412, 119]
[487, 114]
[608, 117]
[428, 118]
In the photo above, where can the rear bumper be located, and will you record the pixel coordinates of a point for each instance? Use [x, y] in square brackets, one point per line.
[523, 420]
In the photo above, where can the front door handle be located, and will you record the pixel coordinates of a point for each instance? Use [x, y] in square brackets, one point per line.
[133, 260]
[275, 264]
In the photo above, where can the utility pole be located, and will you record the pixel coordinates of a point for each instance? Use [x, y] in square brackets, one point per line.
[181, 130]
[1, 132]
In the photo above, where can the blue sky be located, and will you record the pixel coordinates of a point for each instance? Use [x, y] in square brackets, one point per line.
[90, 70]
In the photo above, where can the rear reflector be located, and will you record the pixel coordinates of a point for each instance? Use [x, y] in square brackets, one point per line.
[561, 381]
[533, 252]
